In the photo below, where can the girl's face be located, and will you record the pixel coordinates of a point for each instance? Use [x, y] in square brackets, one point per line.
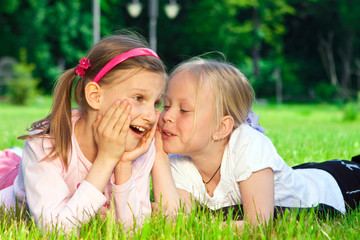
[143, 90]
[179, 134]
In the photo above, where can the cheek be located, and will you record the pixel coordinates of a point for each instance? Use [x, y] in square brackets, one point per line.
[185, 126]
[136, 108]
[106, 101]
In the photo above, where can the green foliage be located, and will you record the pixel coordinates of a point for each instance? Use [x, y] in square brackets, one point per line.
[56, 33]
[22, 87]
[283, 34]
[325, 92]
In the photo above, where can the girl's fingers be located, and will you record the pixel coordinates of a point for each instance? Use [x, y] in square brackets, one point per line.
[151, 134]
[146, 140]
[122, 121]
[158, 139]
[114, 115]
[107, 116]
[124, 130]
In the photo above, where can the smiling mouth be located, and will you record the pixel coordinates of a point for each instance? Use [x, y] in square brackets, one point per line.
[168, 134]
[137, 129]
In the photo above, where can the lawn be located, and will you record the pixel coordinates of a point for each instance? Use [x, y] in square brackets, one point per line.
[301, 133]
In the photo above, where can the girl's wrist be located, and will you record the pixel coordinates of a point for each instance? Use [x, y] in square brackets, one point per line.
[123, 171]
[107, 159]
[163, 157]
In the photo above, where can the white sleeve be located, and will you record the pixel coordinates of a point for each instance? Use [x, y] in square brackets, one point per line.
[47, 195]
[251, 153]
[132, 199]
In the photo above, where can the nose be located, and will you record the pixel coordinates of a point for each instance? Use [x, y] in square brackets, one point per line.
[167, 116]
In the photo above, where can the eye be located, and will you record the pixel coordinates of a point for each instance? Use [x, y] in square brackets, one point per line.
[138, 98]
[184, 111]
[166, 107]
[157, 103]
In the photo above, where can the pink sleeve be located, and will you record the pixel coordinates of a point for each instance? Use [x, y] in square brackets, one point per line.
[132, 199]
[48, 196]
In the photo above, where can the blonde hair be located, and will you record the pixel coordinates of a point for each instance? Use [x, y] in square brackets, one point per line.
[233, 94]
[57, 125]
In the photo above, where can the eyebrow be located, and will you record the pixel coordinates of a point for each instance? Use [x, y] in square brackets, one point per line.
[140, 89]
[144, 90]
[183, 100]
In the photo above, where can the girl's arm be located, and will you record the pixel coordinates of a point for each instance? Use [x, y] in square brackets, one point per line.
[132, 190]
[165, 191]
[110, 133]
[132, 198]
[257, 194]
[48, 196]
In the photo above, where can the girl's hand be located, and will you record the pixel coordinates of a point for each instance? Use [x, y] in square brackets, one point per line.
[124, 166]
[110, 131]
[160, 153]
[143, 145]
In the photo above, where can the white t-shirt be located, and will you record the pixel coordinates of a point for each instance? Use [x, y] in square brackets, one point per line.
[249, 151]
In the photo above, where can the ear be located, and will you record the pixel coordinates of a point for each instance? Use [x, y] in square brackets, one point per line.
[92, 95]
[224, 129]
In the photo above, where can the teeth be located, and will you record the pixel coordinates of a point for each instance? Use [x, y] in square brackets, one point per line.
[139, 128]
[168, 134]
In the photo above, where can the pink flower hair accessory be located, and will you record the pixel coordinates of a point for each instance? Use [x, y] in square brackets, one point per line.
[84, 63]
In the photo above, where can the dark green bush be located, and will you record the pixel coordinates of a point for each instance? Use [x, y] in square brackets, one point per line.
[325, 92]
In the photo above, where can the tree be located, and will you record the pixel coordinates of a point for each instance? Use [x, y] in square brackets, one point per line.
[322, 40]
[53, 32]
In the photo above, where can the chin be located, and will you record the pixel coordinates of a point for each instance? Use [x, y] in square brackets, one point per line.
[170, 149]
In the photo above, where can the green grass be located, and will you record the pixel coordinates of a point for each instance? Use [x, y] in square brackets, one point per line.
[301, 133]
[15, 119]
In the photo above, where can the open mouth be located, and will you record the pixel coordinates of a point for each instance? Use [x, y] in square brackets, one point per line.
[168, 134]
[138, 129]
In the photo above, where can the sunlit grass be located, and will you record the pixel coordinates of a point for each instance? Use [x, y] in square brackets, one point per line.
[301, 133]
[15, 119]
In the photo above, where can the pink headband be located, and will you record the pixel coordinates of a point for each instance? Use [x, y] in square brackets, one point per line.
[122, 57]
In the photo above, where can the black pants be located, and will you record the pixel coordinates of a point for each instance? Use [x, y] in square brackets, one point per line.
[346, 174]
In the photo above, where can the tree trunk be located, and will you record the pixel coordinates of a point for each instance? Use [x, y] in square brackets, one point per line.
[278, 84]
[255, 51]
[347, 56]
[327, 57]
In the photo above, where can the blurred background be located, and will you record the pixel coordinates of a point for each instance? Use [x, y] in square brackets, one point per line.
[290, 50]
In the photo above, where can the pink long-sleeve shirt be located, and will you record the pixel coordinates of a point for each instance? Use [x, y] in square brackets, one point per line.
[55, 195]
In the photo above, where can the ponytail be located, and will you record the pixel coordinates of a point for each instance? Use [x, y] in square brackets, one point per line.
[57, 125]
[60, 116]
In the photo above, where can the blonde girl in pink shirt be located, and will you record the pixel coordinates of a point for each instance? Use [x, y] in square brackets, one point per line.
[98, 157]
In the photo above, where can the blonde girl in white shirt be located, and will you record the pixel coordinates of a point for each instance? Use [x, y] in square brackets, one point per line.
[221, 159]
